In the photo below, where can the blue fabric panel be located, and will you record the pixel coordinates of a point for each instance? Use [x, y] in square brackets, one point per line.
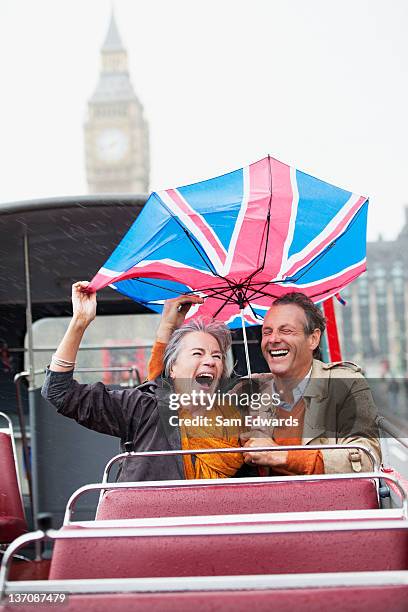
[218, 200]
[319, 203]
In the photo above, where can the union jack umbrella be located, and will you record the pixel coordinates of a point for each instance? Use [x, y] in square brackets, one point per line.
[240, 240]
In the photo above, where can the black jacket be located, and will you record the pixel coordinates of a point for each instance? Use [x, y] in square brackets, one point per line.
[139, 415]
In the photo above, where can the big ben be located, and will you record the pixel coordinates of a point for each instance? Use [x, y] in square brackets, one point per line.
[116, 132]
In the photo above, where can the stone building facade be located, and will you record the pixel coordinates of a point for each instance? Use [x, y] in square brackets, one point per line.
[373, 325]
[116, 132]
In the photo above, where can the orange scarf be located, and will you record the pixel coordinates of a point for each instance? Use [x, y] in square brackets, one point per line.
[212, 435]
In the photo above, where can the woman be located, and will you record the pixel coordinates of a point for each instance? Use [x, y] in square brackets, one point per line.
[194, 362]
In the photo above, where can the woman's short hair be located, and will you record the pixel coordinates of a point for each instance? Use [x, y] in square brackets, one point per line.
[217, 330]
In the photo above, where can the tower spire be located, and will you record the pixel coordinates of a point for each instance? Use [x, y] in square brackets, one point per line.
[113, 41]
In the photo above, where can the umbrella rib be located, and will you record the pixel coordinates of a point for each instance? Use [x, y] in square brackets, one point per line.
[211, 269]
[227, 301]
[145, 282]
[190, 238]
[191, 292]
[218, 293]
[256, 315]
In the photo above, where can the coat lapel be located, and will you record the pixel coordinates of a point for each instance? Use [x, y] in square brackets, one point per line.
[315, 396]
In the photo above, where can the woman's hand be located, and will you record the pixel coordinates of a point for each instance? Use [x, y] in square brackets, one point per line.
[174, 314]
[83, 303]
[267, 458]
[83, 312]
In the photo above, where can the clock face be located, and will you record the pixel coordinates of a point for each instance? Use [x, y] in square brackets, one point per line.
[112, 144]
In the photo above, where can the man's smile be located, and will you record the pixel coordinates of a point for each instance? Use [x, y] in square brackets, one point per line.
[277, 354]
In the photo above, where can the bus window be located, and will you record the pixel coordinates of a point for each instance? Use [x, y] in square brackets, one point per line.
[118, 347]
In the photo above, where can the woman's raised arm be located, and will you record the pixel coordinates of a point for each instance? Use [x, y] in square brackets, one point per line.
[83, 313]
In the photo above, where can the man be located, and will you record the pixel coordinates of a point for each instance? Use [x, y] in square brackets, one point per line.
[332, 402]
[329, 403]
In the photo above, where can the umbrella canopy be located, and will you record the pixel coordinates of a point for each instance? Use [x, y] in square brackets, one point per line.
[241, 240]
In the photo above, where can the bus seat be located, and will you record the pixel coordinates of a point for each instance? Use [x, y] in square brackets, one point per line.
[238, 498]
[12, 520]
[308, 551]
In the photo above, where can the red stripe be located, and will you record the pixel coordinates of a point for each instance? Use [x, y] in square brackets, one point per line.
[331, 330]
[250, 247]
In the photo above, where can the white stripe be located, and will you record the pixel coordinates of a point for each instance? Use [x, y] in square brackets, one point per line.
[325, 279]
[109, 273]
[325, 233]
[239, 221]
[173, 264]
[145, 262]
[292, 223]
[197, 233]
[248, 314]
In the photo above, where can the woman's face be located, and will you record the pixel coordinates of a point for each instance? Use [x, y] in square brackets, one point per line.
[199, 364]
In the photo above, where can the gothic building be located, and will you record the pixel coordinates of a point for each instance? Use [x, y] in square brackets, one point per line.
[116, 132]
[374, 324]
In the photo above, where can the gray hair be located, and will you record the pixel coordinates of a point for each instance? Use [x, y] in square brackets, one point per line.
[217, 330]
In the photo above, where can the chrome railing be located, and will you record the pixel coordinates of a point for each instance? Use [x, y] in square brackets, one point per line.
[374, 462]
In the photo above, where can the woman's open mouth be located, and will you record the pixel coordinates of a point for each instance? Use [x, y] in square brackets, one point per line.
[205, 379]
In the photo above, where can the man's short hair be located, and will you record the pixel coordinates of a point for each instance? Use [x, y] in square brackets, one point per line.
[314, 316]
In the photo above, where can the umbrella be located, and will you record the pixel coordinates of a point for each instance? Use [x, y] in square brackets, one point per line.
[241, 240]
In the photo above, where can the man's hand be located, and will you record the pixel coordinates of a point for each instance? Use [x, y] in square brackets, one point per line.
[267, 458]
[173, 315]
[83, 303]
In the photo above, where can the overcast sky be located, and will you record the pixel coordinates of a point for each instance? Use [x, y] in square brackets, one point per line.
[319, 84]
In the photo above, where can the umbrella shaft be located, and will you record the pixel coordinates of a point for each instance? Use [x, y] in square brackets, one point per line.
[245, 344]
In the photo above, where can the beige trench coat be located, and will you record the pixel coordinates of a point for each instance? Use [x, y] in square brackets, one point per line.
[339, 410]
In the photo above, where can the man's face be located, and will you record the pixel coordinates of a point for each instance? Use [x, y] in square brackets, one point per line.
[286, 348]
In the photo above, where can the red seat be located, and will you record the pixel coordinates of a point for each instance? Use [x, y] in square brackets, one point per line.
[12, 520]
[239, 498]
[336, 599]
[230, 554]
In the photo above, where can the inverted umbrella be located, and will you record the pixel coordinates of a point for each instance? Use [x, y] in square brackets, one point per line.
[241, 240]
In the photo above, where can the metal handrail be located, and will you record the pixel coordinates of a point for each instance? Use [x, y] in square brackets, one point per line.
[179, 584]
[374, 462]
[98, 347]
[387, 426]
[225, 482]
[307, 516]
[235, 529]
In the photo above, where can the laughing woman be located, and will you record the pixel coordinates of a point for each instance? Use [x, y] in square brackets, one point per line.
[168, 413]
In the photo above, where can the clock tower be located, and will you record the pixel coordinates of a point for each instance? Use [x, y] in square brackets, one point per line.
[116, 132]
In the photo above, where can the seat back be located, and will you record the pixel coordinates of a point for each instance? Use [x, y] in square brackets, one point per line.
[12, 518]
[10, 497]
[202, 551]
[238, 498]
